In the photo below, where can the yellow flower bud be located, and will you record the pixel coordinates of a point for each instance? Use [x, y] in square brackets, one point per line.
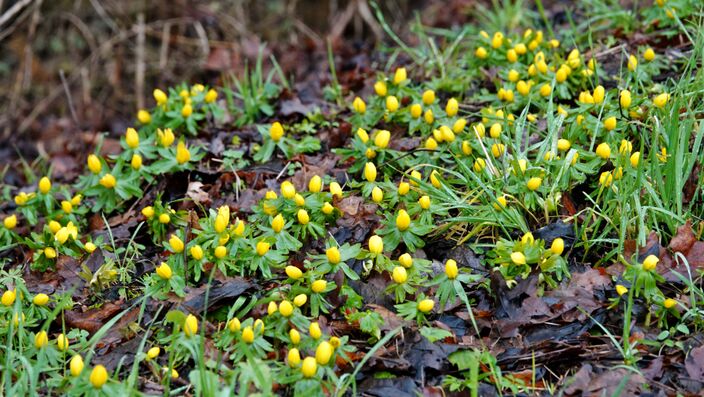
[403, 220]
[276, 131]
[294, 358]
[234, 324]
[319, 286]
[41, 339]
[370, 172]
[376, 244]
[295, 336]
[481, 53]
[98, 376]
[426, 305]
[650, 262]
[160, 96]
[286, 308]
[108, 181]
[303, 217]
[176, 243]
[557, 246]
[300, 300]
[294, 272]
[392, 103]
[534, 183]
[451, 270]
[620, 290]
[211, 96]
[635, 159]
[428, 97]
[183, 155]
[144, 117]
[333, 255]
[518, 258]
[263, 248]
[164, 271]
[649, 54]
[314, 330]
[315, 184]
[400, 76]
[44, 185]
[359, 106]
[309, 367]
[62, 342]
[323, 353]
[380, 88]
[220, 252]
[94, 164]
[661, 100]
[669, 303]
[625, 99]
[76, 365]
[132, 138]
[381, 140]
[248, 335]
[603, 150]
[416, 110]
[190, 326]
[399, 275]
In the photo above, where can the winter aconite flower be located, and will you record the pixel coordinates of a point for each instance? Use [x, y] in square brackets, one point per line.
[426, 305]
[359, 106]
[309, 367]
[303, 217]
[108, 181]
[333, 255]
[403, 220]
[610, 123]
[318, 286]
[94, 164]
[278, 223]
[381, 139]
[144, 117]
[557, 246]
[76, 365]
[41, 299]
[41, 339]
[190, 325]
[534, 183]
[315, 185]
[176, 244]
[399, 274]
[132, 138]
[377, 194]
[620, 290]
[392, 103]
[400, 76]
[10, 222]
[294, 358]
[276, 131]
[165, 137]
[451, 270]
[380, 88]
[603, 150]
[300, 300]
[661, 100]
[211, 96]
[262, 248]
[8, 298]
[518, 258]
[323, 353]
[650, 262]
[625, 99]
[160, 96]
[376, 244]
[370, 172]
[98, 376]
[62, 342]
[44, 185]
[286, 308]
[669, 303]
[294, 272]
[164, 271]
[183, 155]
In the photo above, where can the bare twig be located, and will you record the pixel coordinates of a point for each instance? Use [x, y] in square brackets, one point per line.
[140, 67]
[68, 97]
[164, 50]
[12, 11]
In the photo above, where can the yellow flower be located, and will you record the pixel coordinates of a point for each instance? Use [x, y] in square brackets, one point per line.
[309, 367]
[50, 253]
[186, 110]
[479, 164]
[498, 149]
[196, 252]
[263, 248]
[603, 150]
[632, 63]
[333, 255]
[76, 365]
[424, 202]
[497, 40]
[635, 159]
[278, 223]
[327, 209]
[377, 194]
[153, 353]
[62, 342]
[176, 243]
[480, 53]
[381, 139]
[661, 100]
[545, 90]
[108, 181]
[323, 353]
[500, 203]
[211, 96]
[44, 185]
[431, 144]
[534, 183]
[220, 252]
[295, 336]
[650, 262]
[400, 76]
[511, 55]
[98, 376]
[62, 235]
[625, 147]
[148, 212]
[303, 217]
[428, 116]
[276, 131]
[426, 305]
[392, 103]
[136, 161]
[164, 271]
[406, 260]
[294, 272]
[166, 137]
[428, 97]
[190, 325]
[518, 258]
[315, 184]
[370, 172]
[557, 246]
[495, 130]
[286, 308]
[403, 220]
[606, 178]
[10, 222]
[610, 123]
[294, 358]
[314, 330]
[300, 300]
[669, 303]
[234, 325]
[399, 274]
[272, 308]
[144, 117]
[649, 54]
[336, 189]
[403, 188]
[8, 298]
[160, 96]
[625, 99]
[416, 110]
[451, 270]
[248, 335]
[359, 106]
[620, 289]
[318, 286]
[376, 244]
[563, 145]
[459, 125]
[380, 88]
[599, 94]
[41, 339]
[561, 75]
[41, 299]
[132, 138]
[94, 164]
[183, 155]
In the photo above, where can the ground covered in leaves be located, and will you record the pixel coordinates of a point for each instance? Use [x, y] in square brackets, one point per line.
[483, 200]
